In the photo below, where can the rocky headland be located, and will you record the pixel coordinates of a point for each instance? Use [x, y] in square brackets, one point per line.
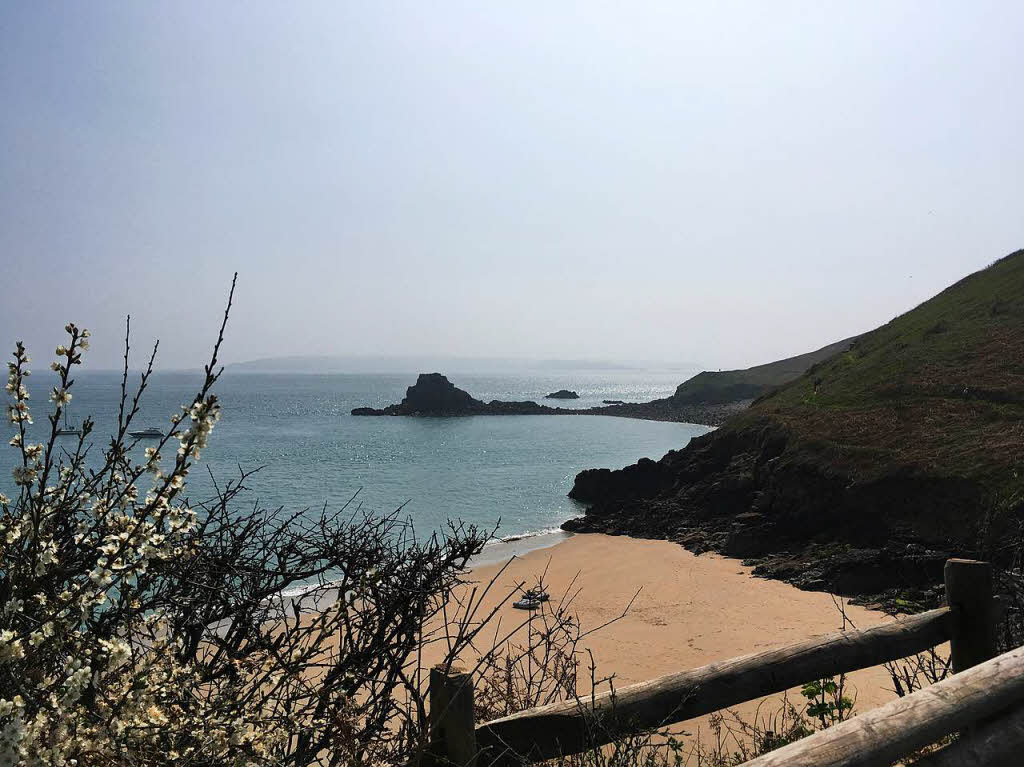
[750, 494]
[865, 473]
[434, 395]
[708, 398]
[669, 409]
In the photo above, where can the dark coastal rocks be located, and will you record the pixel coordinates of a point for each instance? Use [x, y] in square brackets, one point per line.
[367, 411]
[668, 409]
[750, 536]
[758, 495]
[643, 479]
[858, 572]
[562, 394]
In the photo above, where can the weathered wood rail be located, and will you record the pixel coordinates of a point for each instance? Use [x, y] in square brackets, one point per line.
[568, 728]
[984, 698]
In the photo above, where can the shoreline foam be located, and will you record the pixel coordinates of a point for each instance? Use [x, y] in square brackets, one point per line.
[500, 550]
[497, 551]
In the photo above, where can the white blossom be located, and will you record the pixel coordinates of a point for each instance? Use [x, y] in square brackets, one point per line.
[24, 475]
[103, 520]
[60, 396]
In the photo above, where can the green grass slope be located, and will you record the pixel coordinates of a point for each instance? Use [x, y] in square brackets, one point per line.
[938, 390]
[731, 385]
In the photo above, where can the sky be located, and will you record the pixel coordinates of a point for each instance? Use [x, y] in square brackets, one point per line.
[718, 183]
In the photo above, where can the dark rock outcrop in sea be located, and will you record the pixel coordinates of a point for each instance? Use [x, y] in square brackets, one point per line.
[434, 395]
[562, 394]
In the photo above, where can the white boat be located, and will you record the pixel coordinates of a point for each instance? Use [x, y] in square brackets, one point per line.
[148, 432]
[68, 429]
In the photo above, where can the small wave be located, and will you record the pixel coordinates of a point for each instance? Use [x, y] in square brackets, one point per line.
[520, 536]
[299, 591]
[491, 547]
[513, 546]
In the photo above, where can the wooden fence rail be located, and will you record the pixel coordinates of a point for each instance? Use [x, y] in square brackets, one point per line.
[572, 727]
[884, 734]
[999, 742]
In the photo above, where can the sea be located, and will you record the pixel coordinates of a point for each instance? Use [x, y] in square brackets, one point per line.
[510, 473]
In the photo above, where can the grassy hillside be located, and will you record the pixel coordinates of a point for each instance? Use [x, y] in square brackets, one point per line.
[731, 385]
[940, 388]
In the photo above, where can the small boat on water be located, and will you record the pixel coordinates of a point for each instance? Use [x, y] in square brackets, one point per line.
[68, 429]
[149, 432]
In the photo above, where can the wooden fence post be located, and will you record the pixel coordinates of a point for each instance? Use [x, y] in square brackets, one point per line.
[452, 726]
[969, 594]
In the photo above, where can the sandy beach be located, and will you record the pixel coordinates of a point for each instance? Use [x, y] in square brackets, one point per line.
[690, 610]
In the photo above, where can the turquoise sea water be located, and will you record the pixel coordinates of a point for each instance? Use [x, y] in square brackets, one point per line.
[312, 451]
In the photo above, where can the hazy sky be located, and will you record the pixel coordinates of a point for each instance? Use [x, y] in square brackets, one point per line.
[723, 183]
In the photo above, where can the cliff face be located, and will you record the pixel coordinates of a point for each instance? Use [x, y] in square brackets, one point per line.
[867, 471]
[754, 494]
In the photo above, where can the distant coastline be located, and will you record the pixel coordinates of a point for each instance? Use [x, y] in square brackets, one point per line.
[399, 364]
[707, 399]
[433, 395]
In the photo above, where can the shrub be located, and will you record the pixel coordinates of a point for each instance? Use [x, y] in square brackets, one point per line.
[139, 627]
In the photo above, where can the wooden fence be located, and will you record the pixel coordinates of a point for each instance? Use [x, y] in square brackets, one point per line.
[984, 698]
